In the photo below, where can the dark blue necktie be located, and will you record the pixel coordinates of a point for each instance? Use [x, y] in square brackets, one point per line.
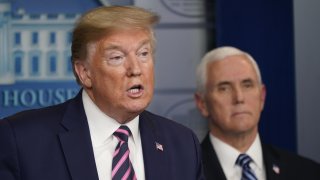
[247, 173]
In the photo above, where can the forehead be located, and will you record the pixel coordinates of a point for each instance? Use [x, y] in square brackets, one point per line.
[123, 40]
[231, 68]
[127, 37]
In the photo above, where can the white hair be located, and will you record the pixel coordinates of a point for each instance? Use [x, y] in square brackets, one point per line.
[220, 54]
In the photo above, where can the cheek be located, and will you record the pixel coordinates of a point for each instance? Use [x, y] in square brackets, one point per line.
[213, 105]
[108, 82]
[151, 79]
[149, 73]
[255, 106]
[220, 108]
[256, 100]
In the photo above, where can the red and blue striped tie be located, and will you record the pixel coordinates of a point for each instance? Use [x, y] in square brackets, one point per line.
[121, 165]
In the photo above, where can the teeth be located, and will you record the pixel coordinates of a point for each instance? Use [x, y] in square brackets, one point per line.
[134, 90]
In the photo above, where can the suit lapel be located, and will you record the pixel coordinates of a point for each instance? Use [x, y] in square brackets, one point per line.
[76, 142]
[155, 160]
[212, 167]
[272, 164]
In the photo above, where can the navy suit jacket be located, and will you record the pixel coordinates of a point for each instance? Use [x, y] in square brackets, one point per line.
[279, 164]
[54, 144]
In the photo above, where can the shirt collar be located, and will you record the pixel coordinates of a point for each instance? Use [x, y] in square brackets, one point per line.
[228, 155]
[255, 152]
[101, 125]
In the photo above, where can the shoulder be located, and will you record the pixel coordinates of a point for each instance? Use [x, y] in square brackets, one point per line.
[47, 114]
[36, 116]
[165, 124]
[206, 144]
[179, 143]
[287, 156]
[168, 130]
[292, 164]
[208, 152]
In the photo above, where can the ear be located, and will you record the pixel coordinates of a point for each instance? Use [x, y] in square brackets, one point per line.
[263, 95]
[84, 73]
[201, 104]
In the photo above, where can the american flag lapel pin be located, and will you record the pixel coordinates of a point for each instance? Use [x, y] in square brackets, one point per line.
[276, 169]
[159, 146]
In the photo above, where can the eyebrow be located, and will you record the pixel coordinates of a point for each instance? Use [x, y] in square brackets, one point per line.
[247, 80]
[145, 42]
[115, 47]
[223, 83]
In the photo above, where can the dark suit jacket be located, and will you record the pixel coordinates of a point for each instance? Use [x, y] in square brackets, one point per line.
[54, 144]
[291, 166]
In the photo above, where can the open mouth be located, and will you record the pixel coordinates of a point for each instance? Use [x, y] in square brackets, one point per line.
[135, 89]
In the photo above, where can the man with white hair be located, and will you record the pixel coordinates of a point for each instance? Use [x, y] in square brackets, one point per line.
[231, 95]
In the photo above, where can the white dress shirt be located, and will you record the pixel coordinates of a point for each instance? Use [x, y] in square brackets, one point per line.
[227, 156]
[104, 143]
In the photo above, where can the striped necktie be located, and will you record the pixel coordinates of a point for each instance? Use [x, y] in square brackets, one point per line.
[121, 165]
[247, 173]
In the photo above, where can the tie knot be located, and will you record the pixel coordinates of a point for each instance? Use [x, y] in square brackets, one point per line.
[243, 160]
[122, 133]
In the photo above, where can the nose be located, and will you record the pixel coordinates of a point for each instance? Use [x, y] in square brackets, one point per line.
[238, 96]
[133, 66]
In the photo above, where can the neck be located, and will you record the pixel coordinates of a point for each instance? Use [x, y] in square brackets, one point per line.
[240, 141]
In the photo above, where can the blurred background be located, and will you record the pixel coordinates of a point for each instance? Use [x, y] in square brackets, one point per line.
[282, 36]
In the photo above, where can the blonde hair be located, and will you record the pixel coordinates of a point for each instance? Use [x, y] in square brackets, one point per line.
[100, 22]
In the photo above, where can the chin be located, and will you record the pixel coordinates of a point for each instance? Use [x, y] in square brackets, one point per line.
[137, 108]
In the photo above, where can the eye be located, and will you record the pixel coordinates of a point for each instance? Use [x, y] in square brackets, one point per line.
[248, 84]
[223, 89]
[143, 54]
[115, 58]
